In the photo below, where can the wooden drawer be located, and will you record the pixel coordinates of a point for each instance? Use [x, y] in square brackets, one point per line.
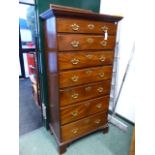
[70, 60]
[83, 126]
[84, 26]
[83, 109]
[84, 42]
[82, 76]
[84, 92]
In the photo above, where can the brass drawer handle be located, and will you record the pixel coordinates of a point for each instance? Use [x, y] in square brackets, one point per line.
[91, 26]
[102, 58]
[99, 105]
[74, 78]
[100, 89]
[97, 121]
[75, 61]
[75, 95]
[74, 113]
[104, 28]
[88, 88]
[90, 40]
[75, 27]
[75, 130]
[75, 43]
[101, 75]
[103, 43]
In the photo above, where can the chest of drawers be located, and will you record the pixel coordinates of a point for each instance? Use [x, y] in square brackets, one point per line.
[79, 53]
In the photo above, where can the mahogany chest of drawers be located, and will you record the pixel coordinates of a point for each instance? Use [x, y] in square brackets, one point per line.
[79, 53]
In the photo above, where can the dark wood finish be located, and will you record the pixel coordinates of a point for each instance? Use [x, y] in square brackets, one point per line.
[52, 74]
[65, 143]
[84, 92]
[67, 8]
[58, 11]
[85, 26]
[82, 76]
[62, 148]
[79, 59]
[80, 110]
[106, 130]
[65, 42]
[70, 60]
[82, 126]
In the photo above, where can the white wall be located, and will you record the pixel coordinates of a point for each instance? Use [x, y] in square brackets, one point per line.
[126, 37]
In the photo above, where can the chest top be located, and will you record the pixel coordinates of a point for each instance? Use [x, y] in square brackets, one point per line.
[57, 11]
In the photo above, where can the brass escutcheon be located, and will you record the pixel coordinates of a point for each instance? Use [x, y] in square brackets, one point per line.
[103, 43]
[89, 71]
[87, 104]
[89, 56]
[74, 78]
[88, 88]
[91, 26]
[90, 40]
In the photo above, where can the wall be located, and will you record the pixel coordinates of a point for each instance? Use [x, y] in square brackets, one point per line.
[126, 38]
[83, 4]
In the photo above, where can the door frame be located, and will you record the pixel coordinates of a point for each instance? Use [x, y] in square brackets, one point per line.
[39, 65]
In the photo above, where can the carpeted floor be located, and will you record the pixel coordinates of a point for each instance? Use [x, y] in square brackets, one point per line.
[29, 114]
[41, 142]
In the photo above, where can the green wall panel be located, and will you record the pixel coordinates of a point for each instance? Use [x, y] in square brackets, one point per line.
[93, 5]
[41, 6]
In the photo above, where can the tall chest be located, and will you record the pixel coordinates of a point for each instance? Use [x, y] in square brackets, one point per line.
[79, 53]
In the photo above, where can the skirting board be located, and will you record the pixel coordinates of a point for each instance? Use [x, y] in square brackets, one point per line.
[117, 123]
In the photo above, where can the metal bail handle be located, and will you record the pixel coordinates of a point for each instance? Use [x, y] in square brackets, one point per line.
[75, 61]
[75, 27]
[75, 43]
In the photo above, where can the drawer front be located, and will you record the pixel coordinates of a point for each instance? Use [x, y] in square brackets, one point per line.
[82, 76]
[83, 109]
[71, 60]
[85, 26]
[83, 126]
[84, 42]
[81, 93]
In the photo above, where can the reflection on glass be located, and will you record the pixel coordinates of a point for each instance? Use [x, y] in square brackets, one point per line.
[27, 23]
[30, 64]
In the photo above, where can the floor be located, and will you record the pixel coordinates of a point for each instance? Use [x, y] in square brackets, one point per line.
[41, 142]
[29, 114]
[36, 140]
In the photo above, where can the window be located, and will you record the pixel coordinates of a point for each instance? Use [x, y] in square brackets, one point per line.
[27, 32]
[27, 22]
